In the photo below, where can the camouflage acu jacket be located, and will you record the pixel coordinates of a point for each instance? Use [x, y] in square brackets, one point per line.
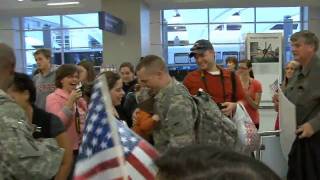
[22, 157]
[177, 117]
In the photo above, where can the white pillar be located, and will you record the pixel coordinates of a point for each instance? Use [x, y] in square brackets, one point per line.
[135, 41]
[314, 21]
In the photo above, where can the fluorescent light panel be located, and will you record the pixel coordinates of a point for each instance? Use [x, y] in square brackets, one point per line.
[63, 3]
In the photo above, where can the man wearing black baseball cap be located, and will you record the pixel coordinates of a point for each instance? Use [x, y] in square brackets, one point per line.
[200, 47]
[213, 79]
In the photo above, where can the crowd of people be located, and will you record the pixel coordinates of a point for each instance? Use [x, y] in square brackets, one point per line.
[42, 117]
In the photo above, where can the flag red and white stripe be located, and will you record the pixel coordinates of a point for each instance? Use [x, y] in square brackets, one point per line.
[110, 150]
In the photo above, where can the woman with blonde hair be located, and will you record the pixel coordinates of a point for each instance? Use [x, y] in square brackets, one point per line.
[290, 69]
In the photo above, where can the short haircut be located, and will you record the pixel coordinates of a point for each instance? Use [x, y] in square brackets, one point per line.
[152, 63]
[308, 36]
[45, 52]
[23, 82]
[64, 71]
[197, 162]
[7, 56]
[111, 78]
[88, 65]
[128, 65]
[232, 59]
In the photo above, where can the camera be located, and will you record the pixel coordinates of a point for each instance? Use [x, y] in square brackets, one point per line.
[79, 87]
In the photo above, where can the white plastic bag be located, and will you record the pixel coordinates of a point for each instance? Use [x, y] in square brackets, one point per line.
[247, 131]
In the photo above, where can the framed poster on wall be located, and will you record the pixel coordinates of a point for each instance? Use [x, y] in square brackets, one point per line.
[264, 47]
[265, 50]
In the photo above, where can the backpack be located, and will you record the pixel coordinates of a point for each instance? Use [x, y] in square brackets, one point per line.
[212, 126]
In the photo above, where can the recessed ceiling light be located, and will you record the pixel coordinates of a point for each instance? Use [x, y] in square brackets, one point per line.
[20, 0]
[63, 3]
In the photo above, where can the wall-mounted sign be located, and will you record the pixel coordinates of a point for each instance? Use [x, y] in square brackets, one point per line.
[110, 23]
[264, 47]
[265, 52]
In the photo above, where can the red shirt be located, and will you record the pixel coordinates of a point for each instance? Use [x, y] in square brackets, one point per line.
[194, 82]
[254, 88]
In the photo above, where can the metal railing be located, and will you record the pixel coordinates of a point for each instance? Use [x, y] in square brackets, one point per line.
[265, 134]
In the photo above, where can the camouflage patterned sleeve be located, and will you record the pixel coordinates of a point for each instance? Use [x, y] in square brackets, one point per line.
[179, 121]
[22, 156]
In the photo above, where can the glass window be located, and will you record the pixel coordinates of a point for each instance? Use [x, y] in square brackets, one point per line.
[57, 40]
[181, 16]
[222, 51]
[274, 14]
[227, 28]
[41, 22]
[186, 34]
[275, 27]
[74, 57]
[178, 54]
[231, 15]
[30, 58]
[76, 38]
[41, 39]
[80, 20]
[30, 62]
[230, 33]
[83, 38]
[175, 54]
[34, 39]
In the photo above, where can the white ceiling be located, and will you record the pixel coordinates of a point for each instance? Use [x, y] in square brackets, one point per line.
[38, 7]
[173, 4]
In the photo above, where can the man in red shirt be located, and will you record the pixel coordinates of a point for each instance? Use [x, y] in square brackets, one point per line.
[213, 79]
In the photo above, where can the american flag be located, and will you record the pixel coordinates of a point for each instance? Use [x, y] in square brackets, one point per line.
[274, 86]
[110, 150]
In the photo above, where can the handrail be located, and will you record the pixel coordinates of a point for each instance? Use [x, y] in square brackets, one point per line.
[262, 146]
[269, 133]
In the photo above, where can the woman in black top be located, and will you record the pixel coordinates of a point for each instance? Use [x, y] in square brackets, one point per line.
[129, 81]
[46, 125]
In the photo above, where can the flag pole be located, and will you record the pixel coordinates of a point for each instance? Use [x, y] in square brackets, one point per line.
[113, 126]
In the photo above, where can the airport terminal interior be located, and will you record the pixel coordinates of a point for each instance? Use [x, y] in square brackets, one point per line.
[110, 32]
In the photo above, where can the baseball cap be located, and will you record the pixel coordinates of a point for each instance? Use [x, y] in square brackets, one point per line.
[200, 47]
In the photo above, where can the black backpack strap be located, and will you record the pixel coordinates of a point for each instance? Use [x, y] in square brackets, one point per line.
[204, 80]
[234, 86]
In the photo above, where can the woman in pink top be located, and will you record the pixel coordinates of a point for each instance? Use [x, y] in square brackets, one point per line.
[252, 89]
[66, 102]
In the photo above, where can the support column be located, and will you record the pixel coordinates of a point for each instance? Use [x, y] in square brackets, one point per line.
[10, 34]
[314, 21]
[135, 41]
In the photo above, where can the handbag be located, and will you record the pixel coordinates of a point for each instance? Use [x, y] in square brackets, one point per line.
[247, 131]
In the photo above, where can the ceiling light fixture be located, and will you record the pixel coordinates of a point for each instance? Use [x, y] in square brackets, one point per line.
[63, 3]
[20, 0]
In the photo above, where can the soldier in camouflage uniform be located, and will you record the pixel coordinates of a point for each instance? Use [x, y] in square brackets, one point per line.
[172, 103]
[21, 156]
